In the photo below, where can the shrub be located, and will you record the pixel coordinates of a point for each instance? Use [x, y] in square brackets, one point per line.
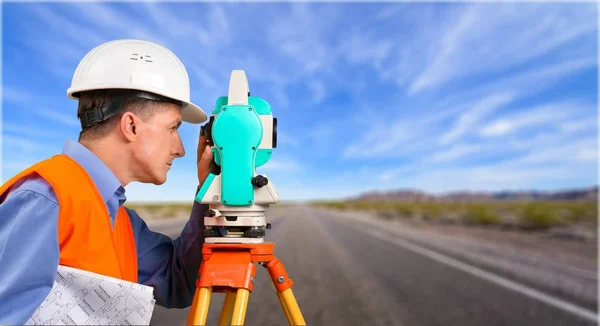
[481, 214]
[582, 211]
[539, 216]
[405, 209]
[430, 211]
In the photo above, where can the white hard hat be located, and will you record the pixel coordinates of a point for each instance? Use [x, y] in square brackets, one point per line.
[136, 65]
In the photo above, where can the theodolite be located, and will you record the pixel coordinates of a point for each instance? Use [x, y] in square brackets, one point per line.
[242, 133]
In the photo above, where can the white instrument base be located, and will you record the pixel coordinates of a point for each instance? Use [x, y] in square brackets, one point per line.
[233, 240]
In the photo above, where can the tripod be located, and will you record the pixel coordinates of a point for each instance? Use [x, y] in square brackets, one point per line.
[229, 268]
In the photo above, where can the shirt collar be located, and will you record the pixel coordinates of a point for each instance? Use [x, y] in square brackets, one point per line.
[104, 179]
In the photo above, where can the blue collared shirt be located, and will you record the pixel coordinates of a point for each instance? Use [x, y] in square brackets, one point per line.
[29, 251]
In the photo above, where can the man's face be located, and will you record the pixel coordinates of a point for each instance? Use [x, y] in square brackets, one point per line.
[157, 145]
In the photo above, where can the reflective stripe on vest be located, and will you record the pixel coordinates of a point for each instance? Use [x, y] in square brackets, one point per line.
[85, 237]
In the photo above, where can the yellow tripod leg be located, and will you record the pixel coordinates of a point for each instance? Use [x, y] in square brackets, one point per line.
[292, 307]
[227, 309]
[200, 307]
[284, 307]
[239, 310]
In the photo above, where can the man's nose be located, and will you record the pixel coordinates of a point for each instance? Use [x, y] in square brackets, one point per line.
[179, 150]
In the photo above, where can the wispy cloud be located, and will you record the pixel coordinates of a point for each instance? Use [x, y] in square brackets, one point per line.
[29, 130]
[359, 48]
[490, 38]
[109, 19]
[454, 153]
[578, 125]
[77, 34]
[407, 135]
[484, 178]
[62, 118]
[577, 150]
[378, 96]
[203, 76]
[512, 122]
[318, 89]
[472, 117]
[533, 80]
[281, 164]
[280, 96]
[20, 144]
[285, 140]
[11, 94]
[307, 48]
[212, 33]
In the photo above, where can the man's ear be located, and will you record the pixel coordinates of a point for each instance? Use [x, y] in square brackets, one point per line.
[128, 124]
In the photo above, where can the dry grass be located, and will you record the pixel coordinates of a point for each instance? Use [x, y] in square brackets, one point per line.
[525, 215]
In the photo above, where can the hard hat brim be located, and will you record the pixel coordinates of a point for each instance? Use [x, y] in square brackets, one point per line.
[192, 113]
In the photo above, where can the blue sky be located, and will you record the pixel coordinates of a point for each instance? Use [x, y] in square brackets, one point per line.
[437, 97]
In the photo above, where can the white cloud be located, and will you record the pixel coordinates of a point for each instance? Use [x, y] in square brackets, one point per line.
[205, 78]
[521, 161]
[508, 177]
[587, 154]
[318, 89]
[478, 61]
[490, 178]
[531, 81]
[389, 175]
[14, 95]
[280, 96]
[12, 166]
[21, 144]
[358, 48]
[471, 118]
[306, 47]
[29, 129]
[409, 133]
[497, 128]
[579, 125]
[380, 140]
[440, 69]
[391, 10]
[78, 34]
[212, 29]
[106, 18]
[564, 152]
[62, 118]
[281, 164]
[525, 83]
[322, 131]
[489, 38]
[63, 42]
[454, 153]
[543, 115]
[286, 140]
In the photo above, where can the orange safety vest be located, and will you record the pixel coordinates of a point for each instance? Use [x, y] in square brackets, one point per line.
[85, 237]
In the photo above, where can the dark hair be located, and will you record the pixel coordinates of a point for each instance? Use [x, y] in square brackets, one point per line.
[91, 100]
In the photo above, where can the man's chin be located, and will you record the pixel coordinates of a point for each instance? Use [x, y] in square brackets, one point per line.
[160, 182]
[156, 181]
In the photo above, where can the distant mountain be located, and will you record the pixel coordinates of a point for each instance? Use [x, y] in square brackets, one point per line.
[412, 195]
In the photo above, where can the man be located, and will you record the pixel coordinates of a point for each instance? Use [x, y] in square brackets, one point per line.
[68, 209]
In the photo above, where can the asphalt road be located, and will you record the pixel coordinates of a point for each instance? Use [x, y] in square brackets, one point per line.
[353, 274]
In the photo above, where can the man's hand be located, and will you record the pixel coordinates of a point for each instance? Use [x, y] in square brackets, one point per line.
[204, 158]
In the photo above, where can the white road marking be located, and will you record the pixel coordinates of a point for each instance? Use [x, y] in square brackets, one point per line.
[496, 279]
